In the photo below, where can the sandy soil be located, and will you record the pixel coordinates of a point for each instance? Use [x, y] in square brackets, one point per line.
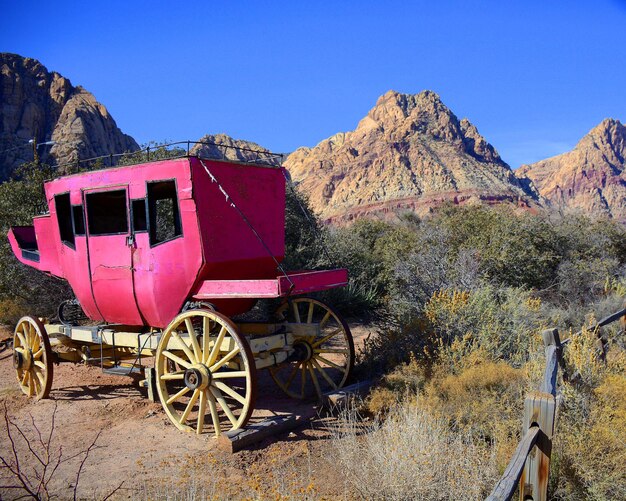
[139, 446]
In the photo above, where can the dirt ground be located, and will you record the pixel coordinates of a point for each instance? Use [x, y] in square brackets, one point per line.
[137, 444]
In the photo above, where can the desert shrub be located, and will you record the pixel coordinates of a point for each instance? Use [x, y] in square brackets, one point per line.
[413, 455]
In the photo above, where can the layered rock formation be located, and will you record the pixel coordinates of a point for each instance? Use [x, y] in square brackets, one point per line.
[591, 177]
[410, 153]
[36, 103]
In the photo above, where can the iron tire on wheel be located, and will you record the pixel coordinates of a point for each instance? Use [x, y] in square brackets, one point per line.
[326, 362]
[200, 384]
[32, 358]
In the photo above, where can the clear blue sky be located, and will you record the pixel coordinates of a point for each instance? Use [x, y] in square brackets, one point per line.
[533, 76]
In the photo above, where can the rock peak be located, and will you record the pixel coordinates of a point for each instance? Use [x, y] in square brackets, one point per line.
[409, 148]
[591, 177]
[37, 103]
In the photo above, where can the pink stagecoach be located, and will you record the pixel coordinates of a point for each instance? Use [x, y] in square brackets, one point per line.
[160, 255]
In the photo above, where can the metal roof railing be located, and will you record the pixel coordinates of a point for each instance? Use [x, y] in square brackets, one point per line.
[179, 149]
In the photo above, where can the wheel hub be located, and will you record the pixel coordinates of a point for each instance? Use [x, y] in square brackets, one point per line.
[303, 351]
[22, 360]
[197, 377]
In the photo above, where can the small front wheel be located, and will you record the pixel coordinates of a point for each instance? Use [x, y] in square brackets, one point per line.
[32, 358]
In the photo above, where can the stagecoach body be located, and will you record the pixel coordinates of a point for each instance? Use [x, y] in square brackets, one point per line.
[160, 255]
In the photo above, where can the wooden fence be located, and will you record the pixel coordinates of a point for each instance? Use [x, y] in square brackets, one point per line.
[529, 468]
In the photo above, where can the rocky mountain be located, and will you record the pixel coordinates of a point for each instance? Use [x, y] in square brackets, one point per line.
[222, 146]
[591, 177]
[36, 103]
[410, 153]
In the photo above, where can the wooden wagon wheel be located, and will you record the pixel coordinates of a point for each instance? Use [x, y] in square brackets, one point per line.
[324, 361]
[213, 370]
[32, 358]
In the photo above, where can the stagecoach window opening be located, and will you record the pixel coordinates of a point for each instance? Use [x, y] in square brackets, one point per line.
[163, 212]
[107, 212]
[64, 218]
[140, 221]
[79, 220]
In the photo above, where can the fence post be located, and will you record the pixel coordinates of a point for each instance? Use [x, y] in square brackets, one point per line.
[539, 409]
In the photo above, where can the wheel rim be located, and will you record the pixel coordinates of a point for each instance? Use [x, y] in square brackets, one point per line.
[324, 362]
[32, 358]
[201, 387]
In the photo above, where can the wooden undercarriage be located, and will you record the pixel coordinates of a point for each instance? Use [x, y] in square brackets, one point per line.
[202, 366]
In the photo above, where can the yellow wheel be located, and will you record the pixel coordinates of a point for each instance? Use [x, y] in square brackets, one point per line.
[206, 377]
[32, 357]
[321, 362]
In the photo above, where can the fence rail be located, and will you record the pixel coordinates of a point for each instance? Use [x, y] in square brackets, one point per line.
[529, 467]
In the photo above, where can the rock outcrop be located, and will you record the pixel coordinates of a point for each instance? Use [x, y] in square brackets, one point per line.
[36, 103]
[222, 146]
[410, 153]
[590, 178]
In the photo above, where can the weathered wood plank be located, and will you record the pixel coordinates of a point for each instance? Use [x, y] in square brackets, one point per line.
[238, 439]
[539, 409]
[339, 398]
[554, 352]
[505, 488]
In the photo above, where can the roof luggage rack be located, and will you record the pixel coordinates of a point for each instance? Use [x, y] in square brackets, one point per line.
[179, 149]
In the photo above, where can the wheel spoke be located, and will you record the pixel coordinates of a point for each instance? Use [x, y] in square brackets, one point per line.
[40, 364]
[185, 348]
[324, 320]
[294, 371]
[201, 412]
[35, 381]
[220, 400]
[175, 397]
[296, 312]
[225, 375]
[303, 379]
[206, 338]
[194, 341]
[31, 384]
[22, 340]
[330, 350]
[214, 415]
[230, 392]
[324, 375]
[172, 375]
[315, 381]
[41, 378]
[38, 353]
[177, 359]
[192, 402]
[226, 359]
[24, 378]
[332, 364]
[309, 317]
[326, 338]
[216, 347]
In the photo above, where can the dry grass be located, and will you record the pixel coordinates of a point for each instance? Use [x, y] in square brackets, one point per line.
[413, 455]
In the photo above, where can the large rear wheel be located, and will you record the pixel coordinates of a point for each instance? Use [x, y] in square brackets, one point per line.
[322, 361]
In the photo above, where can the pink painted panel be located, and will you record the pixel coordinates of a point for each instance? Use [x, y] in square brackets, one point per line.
[231, 249]
[303, 282]
[166, 272]
[49, 259]
[111, 271]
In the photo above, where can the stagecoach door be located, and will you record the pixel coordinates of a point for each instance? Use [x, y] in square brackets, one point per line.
[110, 244]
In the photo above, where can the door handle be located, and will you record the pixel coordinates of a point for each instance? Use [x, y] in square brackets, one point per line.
[130, 240]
